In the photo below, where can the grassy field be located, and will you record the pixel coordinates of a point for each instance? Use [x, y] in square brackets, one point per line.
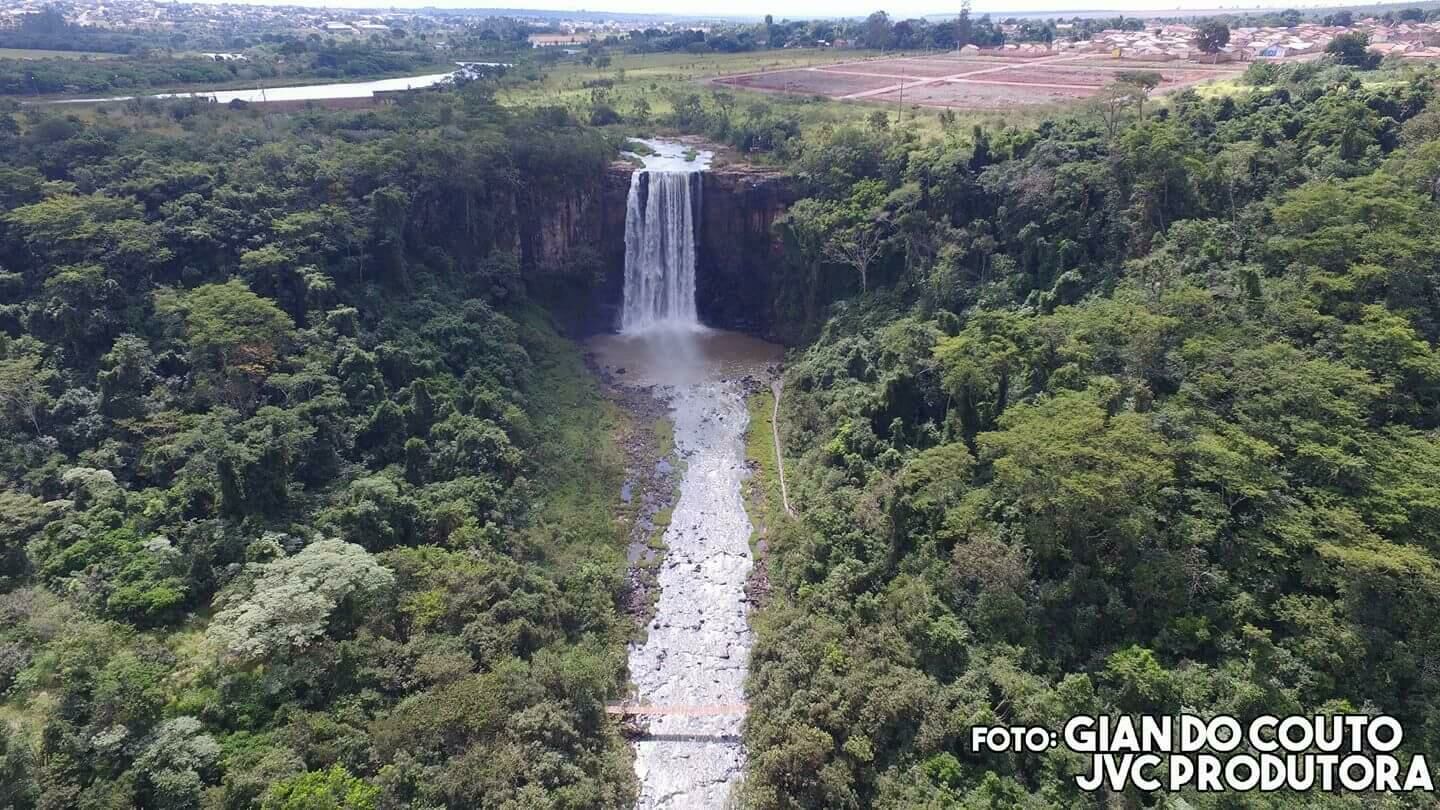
[1236, 86]
[1224, 87]
[659, 78]
[566, 81]
[27, 53]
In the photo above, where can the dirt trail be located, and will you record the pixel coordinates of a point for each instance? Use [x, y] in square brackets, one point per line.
[778, 388]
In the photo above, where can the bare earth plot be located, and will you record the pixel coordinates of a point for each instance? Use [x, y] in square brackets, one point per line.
[972, 81]
[808, 82]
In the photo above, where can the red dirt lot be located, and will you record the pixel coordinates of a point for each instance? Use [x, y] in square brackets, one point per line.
[921, 68]
[807, 81]
[983, 82]
[1056, 75]
[970, 95]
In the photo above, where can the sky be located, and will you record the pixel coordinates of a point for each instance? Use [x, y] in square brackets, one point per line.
[807, 9]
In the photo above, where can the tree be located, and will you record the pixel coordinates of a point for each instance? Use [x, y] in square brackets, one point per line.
[1145, 81]
[1352, 49]
[1114, 103]
[288, 603]
[333, 789]
[857, 247]
[726, 102]
[22, 392]
[18, 787]
[228, 328]
[640, 110]
[878, 33]
[1211, 37]
[127, 371]
[964, 27]
[48, 20]
[73, 228]
[177, 761]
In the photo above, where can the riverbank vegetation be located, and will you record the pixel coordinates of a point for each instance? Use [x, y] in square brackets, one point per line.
[762, 490]
[46, 54]
[1125, 413]
[303, 503]
[55, 75]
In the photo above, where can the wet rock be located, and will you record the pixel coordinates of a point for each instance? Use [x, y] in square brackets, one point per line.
[695, 656]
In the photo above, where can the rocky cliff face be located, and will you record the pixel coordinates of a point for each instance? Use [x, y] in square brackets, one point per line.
[569, 245]
[574, 246]
[737, 249]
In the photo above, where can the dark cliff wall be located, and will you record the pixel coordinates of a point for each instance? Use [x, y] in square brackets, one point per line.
[569, 244]
[737, 251]
[572, 248]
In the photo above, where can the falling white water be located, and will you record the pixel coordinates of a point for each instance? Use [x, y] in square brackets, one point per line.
[660, 219]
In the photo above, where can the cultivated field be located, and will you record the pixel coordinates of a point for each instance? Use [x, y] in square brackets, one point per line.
[33, 53]
[659, 79]
[970, 82]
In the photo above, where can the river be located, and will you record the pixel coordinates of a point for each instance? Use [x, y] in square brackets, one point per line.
[697, 647]
[304, 92]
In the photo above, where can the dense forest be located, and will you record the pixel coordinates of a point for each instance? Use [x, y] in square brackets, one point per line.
[1128, 413]
[303, 502]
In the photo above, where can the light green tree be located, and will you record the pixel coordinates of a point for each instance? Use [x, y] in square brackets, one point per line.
[286, 604]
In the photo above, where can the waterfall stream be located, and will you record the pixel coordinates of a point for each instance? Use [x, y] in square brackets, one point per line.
[660, 219]
[660, 250]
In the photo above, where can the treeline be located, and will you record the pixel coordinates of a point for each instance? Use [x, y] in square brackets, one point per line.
[877, 31]
[303, 503]
[21, 77]
[94, 41]
[47, 29]
[1136, 412]
[29, 77]
[1289, 18]
[156, 62]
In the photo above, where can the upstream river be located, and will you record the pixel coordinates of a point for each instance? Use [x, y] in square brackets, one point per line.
[697, 646]
[305, 92]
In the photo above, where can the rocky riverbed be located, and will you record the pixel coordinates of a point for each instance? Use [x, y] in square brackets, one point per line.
[696, 642]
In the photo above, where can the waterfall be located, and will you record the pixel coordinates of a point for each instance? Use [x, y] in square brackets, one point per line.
[660, 250]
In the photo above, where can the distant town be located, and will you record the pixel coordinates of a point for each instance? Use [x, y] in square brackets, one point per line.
[1176, 41]
[223, 18]
[1409, 34]
[98, 48]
